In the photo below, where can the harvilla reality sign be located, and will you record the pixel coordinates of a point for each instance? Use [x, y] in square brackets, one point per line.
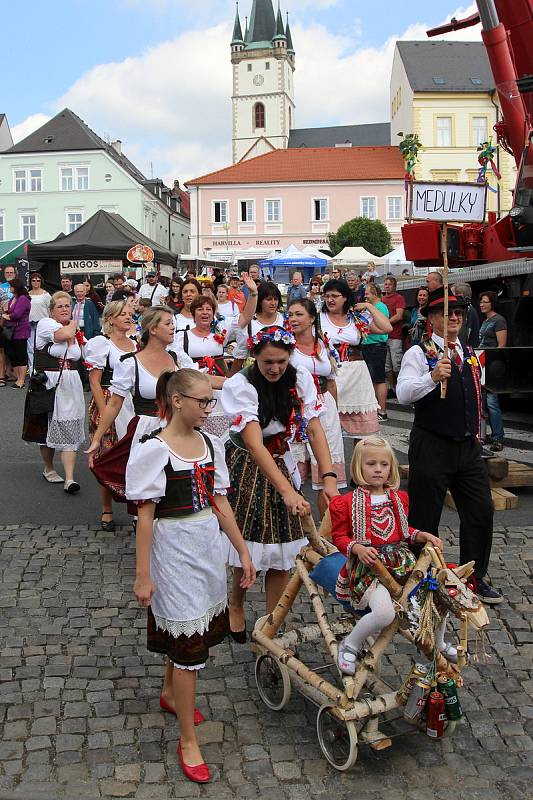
[89, 266]
[447, 202]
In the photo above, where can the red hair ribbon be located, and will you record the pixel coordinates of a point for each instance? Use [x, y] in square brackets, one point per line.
[209, 363]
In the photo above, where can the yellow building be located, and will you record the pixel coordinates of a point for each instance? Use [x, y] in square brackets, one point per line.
[444, 92]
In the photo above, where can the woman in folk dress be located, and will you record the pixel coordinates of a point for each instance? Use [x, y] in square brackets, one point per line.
[318, 357]
[205, 343]
[102, 356]
[345, 328]
[271, 404]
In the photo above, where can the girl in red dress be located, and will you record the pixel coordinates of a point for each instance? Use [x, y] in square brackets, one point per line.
[370, 523]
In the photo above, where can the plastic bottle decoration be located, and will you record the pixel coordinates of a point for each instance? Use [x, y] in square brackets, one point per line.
[409, 147]
[486, 152]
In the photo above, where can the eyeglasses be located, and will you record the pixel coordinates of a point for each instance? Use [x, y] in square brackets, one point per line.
[329, 296]
[203, 402]
[36, 279]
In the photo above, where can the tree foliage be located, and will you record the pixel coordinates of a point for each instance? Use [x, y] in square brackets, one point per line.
[361, 232]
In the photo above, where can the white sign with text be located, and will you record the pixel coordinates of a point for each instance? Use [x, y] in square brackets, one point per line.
[448, 202]
[90, 266]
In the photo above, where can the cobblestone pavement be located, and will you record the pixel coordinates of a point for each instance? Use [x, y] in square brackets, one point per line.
[79, 713]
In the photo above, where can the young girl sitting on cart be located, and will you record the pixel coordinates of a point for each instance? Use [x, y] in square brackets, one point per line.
[367, 524]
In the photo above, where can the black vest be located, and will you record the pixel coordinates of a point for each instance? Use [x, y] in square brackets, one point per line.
[188, 491]
[143, 405]
[457, 416]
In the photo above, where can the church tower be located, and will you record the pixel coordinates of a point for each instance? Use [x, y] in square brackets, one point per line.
[263, 82]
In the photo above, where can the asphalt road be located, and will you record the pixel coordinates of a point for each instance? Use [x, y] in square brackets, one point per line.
[28, 498]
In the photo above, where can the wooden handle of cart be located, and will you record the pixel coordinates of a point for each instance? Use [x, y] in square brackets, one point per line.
[309, 528]
[383, 575]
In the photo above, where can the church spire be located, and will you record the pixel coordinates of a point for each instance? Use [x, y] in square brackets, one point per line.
[290, 46]
[237, 30]
[262, 25]
[280, 30]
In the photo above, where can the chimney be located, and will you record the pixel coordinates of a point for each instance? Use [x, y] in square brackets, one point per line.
[176, 185]
[117, 145]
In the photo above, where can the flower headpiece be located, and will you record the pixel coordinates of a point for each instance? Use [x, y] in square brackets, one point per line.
[271, 334]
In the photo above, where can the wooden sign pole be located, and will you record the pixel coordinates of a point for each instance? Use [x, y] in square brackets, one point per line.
[444, 384]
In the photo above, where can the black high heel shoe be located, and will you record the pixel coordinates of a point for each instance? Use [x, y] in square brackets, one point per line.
[108, 525]
[239, 636]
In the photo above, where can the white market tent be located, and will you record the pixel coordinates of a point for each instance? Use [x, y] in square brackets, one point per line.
[395, 262]
[355, 256]
[313, 251]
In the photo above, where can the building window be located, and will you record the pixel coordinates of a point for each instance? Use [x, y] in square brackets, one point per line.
[267, 65]
[72, 178]
[67, 179]
[320, 209]
[249, 67]
[444, 131]
[273, 210]
[259, 115]
[82, 178]
[247, 210]
[36, 180]
[368, 207]
[394, 208]
[220, 211]
[74, 220]
[479, 130]
[28, 226]
[2, 227]
[20, 180]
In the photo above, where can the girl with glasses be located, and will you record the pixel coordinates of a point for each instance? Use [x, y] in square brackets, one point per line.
[178, 479]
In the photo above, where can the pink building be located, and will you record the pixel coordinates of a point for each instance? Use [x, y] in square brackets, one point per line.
[295, 196]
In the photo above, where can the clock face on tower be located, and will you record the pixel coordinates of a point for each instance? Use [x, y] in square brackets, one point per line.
[258, 80]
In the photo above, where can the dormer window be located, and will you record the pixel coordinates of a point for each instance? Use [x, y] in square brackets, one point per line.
[438, 81]
[476, 81]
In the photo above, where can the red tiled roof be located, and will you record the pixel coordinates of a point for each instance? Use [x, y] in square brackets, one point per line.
[312, 164]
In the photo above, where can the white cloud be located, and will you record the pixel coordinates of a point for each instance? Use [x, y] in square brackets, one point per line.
[27, 126]
[171, 105]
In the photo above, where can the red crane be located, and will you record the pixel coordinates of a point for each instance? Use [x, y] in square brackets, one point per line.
[507, 32]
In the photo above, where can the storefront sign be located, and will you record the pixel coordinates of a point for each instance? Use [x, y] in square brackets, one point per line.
[316, 241]
[247, 243]
[89, 266]
[447, 202]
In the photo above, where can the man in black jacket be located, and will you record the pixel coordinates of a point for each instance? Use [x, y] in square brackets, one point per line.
[444, 447]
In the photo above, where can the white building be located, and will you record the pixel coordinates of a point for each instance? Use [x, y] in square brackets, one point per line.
[263, 82]
[56, 178]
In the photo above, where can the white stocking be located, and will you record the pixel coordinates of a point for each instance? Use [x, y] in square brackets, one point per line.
[382, 613]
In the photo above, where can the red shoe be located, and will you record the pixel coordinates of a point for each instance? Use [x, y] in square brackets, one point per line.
[199, 773]
[164, 706]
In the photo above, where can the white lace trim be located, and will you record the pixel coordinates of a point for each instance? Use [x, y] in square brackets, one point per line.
[190, 626]
[356, 408]
[183, 666]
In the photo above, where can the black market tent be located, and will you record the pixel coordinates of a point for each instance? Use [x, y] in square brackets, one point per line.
[103, 236]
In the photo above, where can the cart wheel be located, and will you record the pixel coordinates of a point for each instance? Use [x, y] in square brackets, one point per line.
[273, 682]
[337, 739]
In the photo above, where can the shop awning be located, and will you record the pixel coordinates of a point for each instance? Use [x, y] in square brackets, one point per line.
[10, 251]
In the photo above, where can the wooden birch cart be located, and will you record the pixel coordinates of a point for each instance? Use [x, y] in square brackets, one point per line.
[350, 708]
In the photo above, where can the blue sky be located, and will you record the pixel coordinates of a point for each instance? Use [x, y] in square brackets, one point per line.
[70, 52]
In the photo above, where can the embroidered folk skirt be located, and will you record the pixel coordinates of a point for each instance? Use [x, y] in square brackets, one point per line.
[398, 559]
[273, 535]
[189, 605]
